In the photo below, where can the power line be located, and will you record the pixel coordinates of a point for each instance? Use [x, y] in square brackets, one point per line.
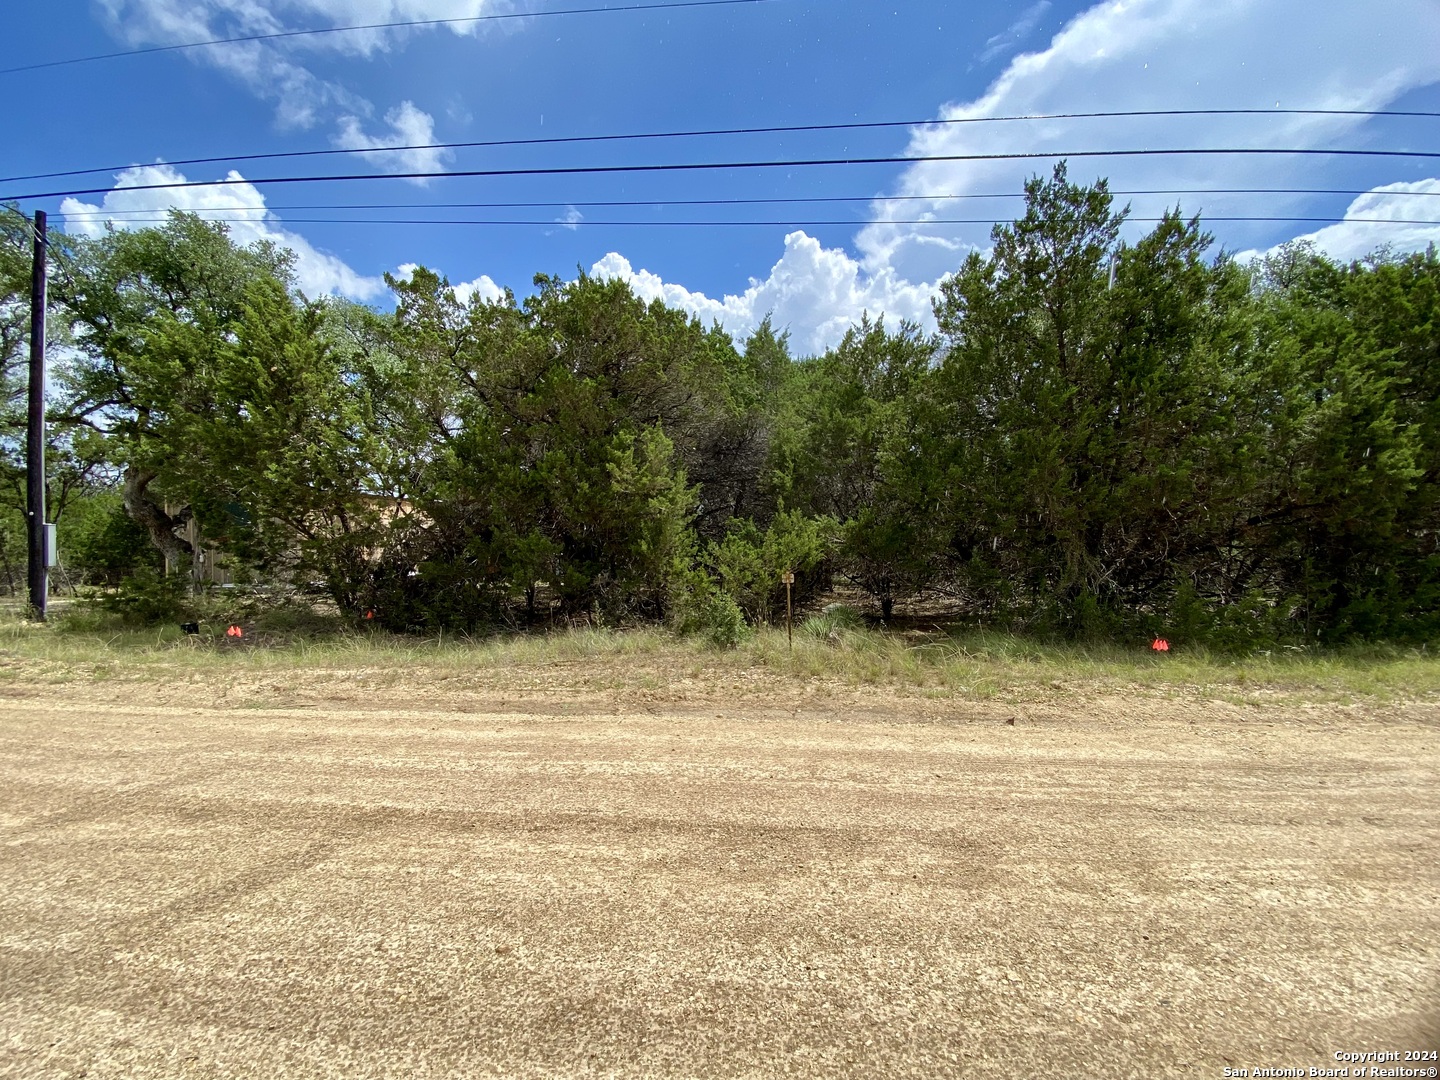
[577, 170]
[670, 5]
[740, 202]
[551, 222]
[714, 132]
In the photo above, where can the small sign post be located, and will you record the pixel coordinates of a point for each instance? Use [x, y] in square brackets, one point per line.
[789, 578]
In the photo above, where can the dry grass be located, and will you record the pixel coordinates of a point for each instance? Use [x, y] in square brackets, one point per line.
[973, 666]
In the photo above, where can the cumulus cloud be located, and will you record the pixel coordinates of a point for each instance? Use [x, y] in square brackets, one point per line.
[1118, 55]
[482, 287]
[240, 205]
[410, 127]
[1163, 54]
[814, 291]
[1403, 207]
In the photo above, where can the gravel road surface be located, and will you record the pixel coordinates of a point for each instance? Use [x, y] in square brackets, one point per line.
[418, 883]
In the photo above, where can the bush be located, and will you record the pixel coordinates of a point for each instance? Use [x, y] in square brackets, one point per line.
[832, 623]
[748, 563]
[723, 623]
[1247, 625]
[700, 608]
[148, 598]
[100, 544]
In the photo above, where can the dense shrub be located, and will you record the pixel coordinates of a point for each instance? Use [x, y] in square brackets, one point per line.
[147, 597]
[1099, 416]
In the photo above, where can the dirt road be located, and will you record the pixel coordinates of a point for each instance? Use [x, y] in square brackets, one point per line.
[416, 884]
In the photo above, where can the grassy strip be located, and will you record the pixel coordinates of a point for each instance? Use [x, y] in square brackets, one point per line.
[979, 665]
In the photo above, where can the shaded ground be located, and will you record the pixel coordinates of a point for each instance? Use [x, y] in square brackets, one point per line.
[357, 874]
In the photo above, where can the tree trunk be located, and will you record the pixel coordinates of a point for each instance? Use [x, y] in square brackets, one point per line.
[145, 511]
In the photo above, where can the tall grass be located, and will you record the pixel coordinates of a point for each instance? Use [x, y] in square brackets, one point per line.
[976, 664]
[988, 664]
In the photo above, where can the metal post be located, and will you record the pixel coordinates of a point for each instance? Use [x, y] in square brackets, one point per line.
[39, 574]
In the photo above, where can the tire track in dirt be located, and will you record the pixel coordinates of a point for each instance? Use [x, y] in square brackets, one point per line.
[818, 890]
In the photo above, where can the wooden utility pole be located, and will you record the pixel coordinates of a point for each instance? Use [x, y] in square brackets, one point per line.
[39, 573]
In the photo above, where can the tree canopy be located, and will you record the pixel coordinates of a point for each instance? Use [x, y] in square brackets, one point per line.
[1108, 433]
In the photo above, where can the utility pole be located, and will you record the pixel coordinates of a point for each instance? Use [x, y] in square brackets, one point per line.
[39, 573]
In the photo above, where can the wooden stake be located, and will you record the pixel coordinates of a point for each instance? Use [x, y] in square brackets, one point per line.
[789, 631]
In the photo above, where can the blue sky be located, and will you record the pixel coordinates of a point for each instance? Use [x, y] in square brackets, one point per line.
[754, 64]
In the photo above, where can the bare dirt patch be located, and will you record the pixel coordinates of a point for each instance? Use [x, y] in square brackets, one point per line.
[536, 873]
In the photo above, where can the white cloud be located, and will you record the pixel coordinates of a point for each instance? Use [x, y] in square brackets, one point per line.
[1016, 32]
[362, 12]
[409, 127]
[483, 286]
[267, 69]
[274, 70]
[1358, 234]
[239, 205]
[148, 22]
[814, 291]
[1119, 55]
[1163, 54]
[572, 218]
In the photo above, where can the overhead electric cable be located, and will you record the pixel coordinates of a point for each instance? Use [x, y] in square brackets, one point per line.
[552, 222]
[788, 129]
[578, 170]
[582, 204]
[667, 5]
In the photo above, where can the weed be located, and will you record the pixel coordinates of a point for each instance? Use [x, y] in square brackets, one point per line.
[975, 664]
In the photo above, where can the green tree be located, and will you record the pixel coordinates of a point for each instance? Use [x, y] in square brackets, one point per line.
[153, 312]
[730, 457]
[76, 462]
[1347, 512]
[748, 562]
[100, 544]
[850, 449]
[15, 256]
[1088, 422]
[289, 454]
[560, 438]
[220, 396]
